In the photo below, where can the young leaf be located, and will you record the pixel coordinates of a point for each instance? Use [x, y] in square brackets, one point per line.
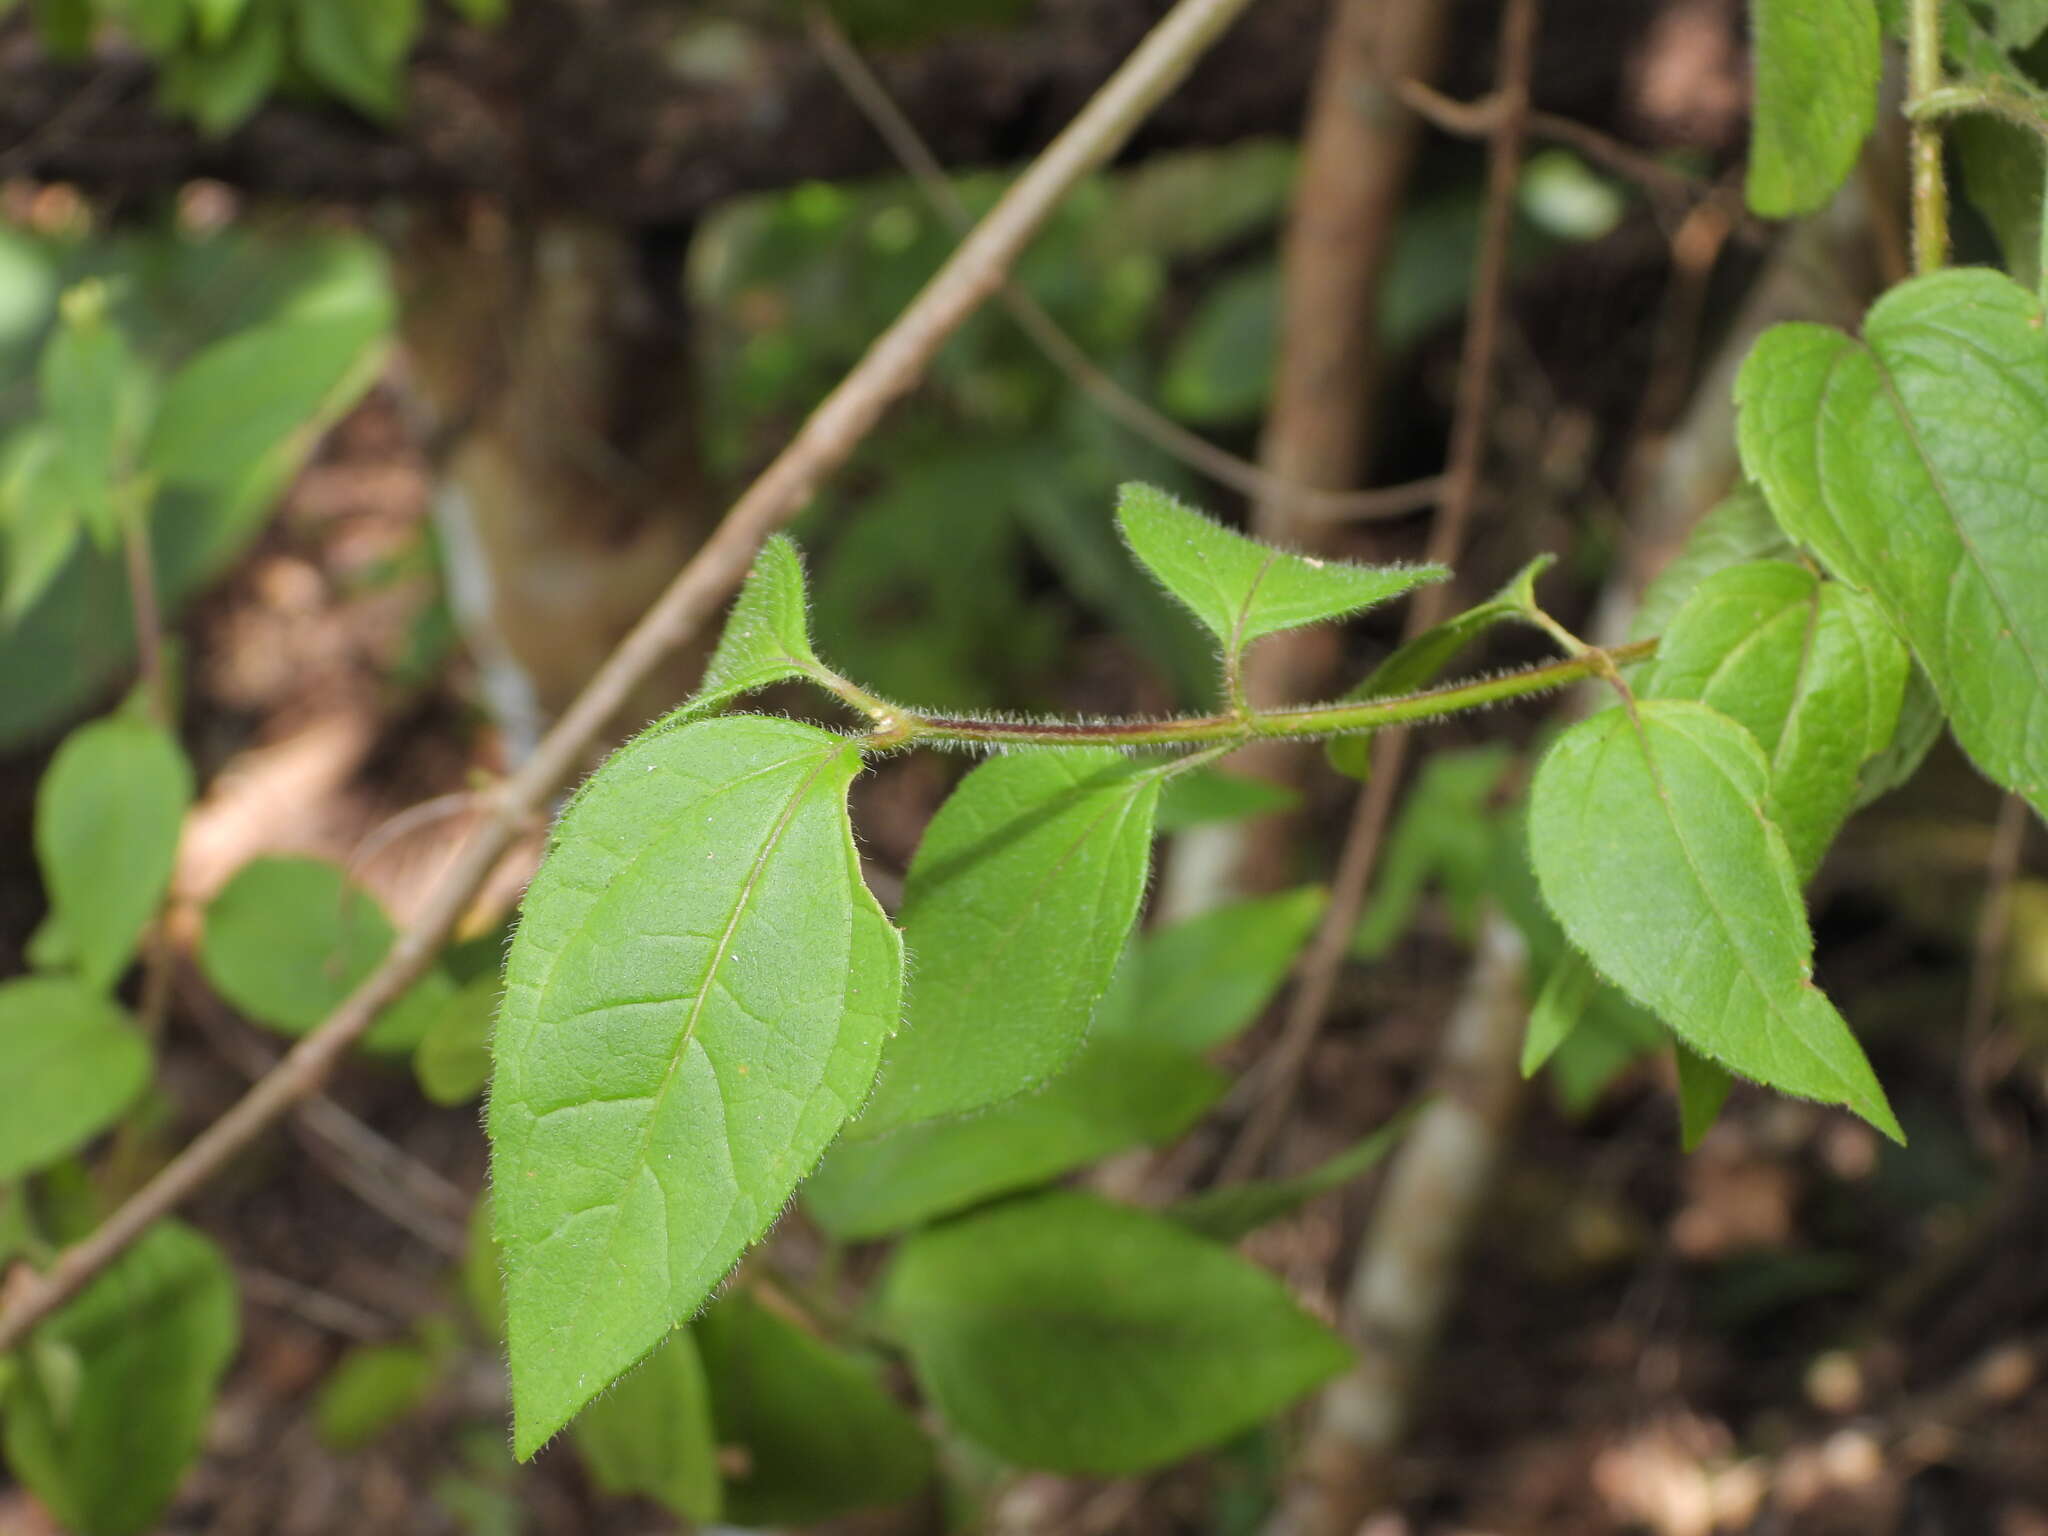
[104, 1442]
[452, 1062]
[1067, 1333]
[651, 1435]
[358, 50]
[1647, 830]
[2017, 24]
[1203, 981]
[1809, 667]
[1817, 67]
[1119, 1093]
[1920, 726]
[1561, 1003]
[767, 637]
[1905, 461]
[221, 87]
[1237, 1210]
[238, 416]
[39, 524]
[91, 388]
[1015, 912]
[2001, 164]
[73, 1063]
[1446, 834]
[1702, 1090]
[821, 1436]
[108, 814]
[1242, 589]
[1204, 795]
[371, 1389]
[1418, 663]
[1138, 1081]
[1738, 529]
[694, 1003]
[288, 939]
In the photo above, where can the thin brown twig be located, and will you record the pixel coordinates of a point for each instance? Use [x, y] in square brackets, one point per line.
[381, 1174]
[1316, 981]
[159, 953]
[1064, 353]
[323, 1310]
[827, 438]
[1480, 119]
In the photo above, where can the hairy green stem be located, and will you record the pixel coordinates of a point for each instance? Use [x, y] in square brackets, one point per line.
[1930, 187]
[1995, 97]
[906, 727]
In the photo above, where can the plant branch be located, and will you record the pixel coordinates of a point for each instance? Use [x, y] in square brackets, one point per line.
[891, 366]
[1996, 96]
[1930, 187]
[1316, 982]
[1479, 119]
[1064, 353]
[1294, 722]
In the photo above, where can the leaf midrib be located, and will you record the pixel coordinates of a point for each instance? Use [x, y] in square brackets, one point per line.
[1720, 916]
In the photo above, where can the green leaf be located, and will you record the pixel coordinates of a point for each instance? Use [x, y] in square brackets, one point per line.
[1067, 1333]
[217, 19]
[288, 939]
[240, 413]
[1237, 1210]
[1702, 1090]
[2017, 23]
[39, 523]
[1119, 1093]
[1203, 981]
[1138, 1081]
[94, 398]
[1242, 589]
[158, 26]
[220, 88]
[104, 1442]
[819, 1435]
[1204, 795]
[2002, 169]
[767, 638]
[74, 1062]
[482, 13]
[357, 49]
[1446, 834]
[1920, 725]
[108, 814]
[1560, 1006]
[483, 1286]
[1420, 661]
[1906, 462]
[1221, 367]
[651, 1435]
[1817, 67]
[694, 1003]
[370, 1390]
[1015, 912]
[452, 1062]
[1809, 668]
[1647, 831]
[1739, 528]
[64, 26]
